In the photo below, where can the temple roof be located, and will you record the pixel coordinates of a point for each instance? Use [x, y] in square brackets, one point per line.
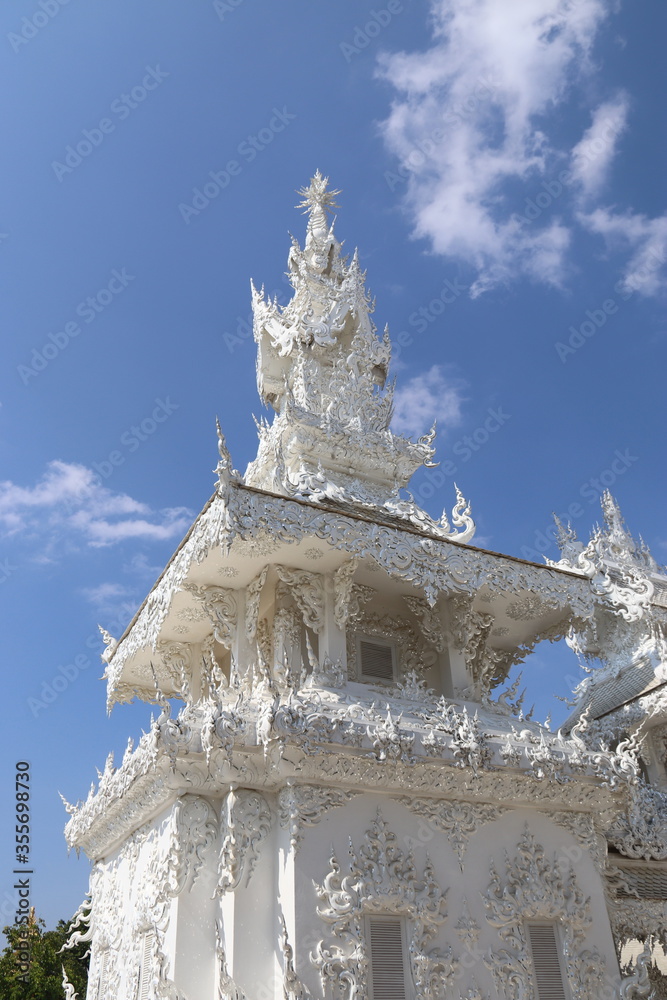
[323, 369]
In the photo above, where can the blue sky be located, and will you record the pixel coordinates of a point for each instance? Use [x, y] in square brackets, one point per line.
[502, 173]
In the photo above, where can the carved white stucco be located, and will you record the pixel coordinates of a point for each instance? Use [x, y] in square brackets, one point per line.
[240, 846]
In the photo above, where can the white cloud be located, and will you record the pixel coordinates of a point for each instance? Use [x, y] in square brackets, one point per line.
[647, 238]
[112, 600]
[470, 122]
[593, 154]
[70, 498]
[140, 566]
[425, 398]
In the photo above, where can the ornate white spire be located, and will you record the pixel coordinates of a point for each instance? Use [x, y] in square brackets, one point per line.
[621, 569]
[323, 369]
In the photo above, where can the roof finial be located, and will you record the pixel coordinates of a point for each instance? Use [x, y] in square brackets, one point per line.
[225, 468]
[316, 195]
[317, 201]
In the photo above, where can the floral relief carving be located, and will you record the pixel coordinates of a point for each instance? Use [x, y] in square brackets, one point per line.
[219, 603]
[304, 805]
[390, 742]
[349, 597]
[429, 621]
[582, 827]
[381, 879]
[194, 830]
[253, 595]
[531, 886]
[307, 589]
[528, 608]
[467, 927]
[460, 820]
[641, 830]
[343, 581]
[245, 824]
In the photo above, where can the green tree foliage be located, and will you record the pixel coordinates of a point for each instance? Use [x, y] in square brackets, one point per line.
[43, 978]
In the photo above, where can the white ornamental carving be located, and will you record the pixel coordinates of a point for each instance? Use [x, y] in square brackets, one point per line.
[429, 621]
[307, 589]
[533, 887]
[619, 568]
[381, 879]
[458, 819]
[246, 822]
[252, 599]
[349, 597]
[219, 604]
[423, 560]
[323, 369]
[412, 655]
[467, 927]
[194, 830]
[304, 805]
[641, 831]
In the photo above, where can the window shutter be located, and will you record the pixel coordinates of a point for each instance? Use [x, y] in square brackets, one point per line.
[104, 975]
[386, 955]
[649, 881]
[546, 962]
[146, 970]
[377, 660]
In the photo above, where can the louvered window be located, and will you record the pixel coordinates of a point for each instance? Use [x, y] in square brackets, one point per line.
[648, 881]
[146, 967]
[660, 594]
[387, 958]
[376, 659]
[104, 975]
[546, 962]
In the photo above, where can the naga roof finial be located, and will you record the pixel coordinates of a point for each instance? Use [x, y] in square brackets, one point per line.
[316, 194]
[317, 201]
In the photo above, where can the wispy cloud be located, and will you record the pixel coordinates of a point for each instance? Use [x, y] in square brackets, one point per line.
[433, 395]
[70, 499]
[645, 270]
[476, 125]
[112, 600]
[594, 153]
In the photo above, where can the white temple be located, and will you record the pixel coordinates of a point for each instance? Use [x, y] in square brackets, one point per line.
[351, 803]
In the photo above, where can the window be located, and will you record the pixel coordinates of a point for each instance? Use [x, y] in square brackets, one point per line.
[648, 881]
[376, 659]
[546, 962]
[103, 980]
[386, 951]
[146, 965]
